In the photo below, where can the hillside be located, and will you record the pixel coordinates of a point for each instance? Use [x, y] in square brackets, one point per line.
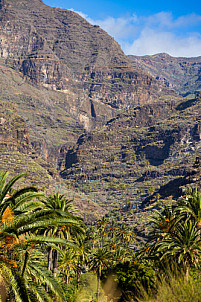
[137, 153]
[59, 50]
[52, 130]
[181, 74]
[17, 155]
[79, 106]
[129, 159]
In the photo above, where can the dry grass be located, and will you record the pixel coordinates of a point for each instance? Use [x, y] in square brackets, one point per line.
[176, 290]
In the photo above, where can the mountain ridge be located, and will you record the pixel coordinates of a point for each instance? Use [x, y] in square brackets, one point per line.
[179, 73]
[59, 50]
[113, 131]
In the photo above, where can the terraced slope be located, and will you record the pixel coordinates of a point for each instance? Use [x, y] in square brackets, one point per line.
[60, 50]
[137, 152]
[52, 130]
[17, 155]
[181, 74]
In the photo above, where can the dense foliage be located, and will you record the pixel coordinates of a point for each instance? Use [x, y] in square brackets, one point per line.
[48, 254]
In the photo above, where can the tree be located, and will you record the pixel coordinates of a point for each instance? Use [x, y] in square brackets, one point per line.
[125, 234]
[23, 220]
[183, 246]
[99, 259]
[191, 205]
[82, 258]
[16, 200]
[162, 224]
[102, 230]
[59, 205]
[131, 277]
[174, 237]
[67, 262]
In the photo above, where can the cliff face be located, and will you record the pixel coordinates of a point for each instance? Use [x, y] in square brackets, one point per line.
[17, 155]
[52, 130]
[60, 50]
[181, 74]
[14, 135]
[137, 152]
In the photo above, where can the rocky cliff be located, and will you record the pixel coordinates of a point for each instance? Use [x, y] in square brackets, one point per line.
[59, 50]
[60, 76]
[181, 74]
[137, 152]
[18, 155]
[52, 130]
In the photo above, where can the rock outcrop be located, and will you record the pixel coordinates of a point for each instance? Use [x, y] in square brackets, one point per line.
[17, 155]
[137, 152]
[58, 49]
[44, 114]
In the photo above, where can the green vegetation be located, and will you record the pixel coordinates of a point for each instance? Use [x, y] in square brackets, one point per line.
[24, 240]
[133, 157]
[48, 254]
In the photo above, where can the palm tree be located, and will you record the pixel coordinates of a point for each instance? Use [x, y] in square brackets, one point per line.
[82, 257]
[183, 246]
[191, 205]
[92, 236]
[119, 255]
[102, 230]
[23, 219]
[125, 234]
[163, 223]
[67, 262]
[59, 205]
[113, 229]
[17, 237]
[100, 259]
[16, 200]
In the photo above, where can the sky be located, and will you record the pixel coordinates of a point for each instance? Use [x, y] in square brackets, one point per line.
[145, 27]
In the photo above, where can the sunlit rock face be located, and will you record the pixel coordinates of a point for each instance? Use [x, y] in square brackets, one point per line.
[60, 50]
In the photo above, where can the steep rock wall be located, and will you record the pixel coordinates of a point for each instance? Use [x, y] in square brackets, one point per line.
[60, 50]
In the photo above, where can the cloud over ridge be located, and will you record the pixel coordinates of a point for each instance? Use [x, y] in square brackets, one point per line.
[160, 32]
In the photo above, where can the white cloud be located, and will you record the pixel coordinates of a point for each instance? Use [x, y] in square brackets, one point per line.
[152, 42]
[83, 15]
[161, 32]
[117, 27]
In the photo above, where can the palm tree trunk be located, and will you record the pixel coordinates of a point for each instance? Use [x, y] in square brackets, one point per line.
[187, 273]
[55, 262]
[49, 263]
[56, 256]
[78, 278]
[98, 282]
[3, 289]
[98, 286]
[67, 276]
[25, 262]
[49, 258]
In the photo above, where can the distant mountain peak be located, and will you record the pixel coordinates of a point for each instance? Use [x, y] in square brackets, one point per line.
[181, 74]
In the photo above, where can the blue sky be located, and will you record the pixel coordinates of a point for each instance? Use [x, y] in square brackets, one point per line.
[145, 27]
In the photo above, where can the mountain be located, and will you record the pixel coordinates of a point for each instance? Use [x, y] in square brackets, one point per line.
[180, 74]
[52, 130]
[72, 102]
[59, 50]
[64, 75]
[18, 155]
[136, 153]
